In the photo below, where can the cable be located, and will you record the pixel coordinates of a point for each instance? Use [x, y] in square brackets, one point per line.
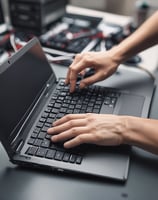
[12, 42]
[144, 69]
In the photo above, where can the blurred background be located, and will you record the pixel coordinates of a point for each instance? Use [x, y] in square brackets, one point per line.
[123, 7]
[61, 25]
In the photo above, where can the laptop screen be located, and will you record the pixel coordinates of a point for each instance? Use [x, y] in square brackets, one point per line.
[21, 84]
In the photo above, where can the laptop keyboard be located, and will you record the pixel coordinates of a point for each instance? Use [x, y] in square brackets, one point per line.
[89, 100]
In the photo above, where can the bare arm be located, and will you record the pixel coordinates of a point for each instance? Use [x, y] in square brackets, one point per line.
[106, 130]
[143, 38]
[106, 63]
[142, 133]
[101, 129]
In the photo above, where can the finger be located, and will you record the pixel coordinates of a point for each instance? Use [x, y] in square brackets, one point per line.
[73, 75]
[92, 79]
[70, 133]
[82, 73]
[68, 117]
[67, 80]
[67, 77]
[75, 61]
[74, 70]
[80, 139]
[66, 126]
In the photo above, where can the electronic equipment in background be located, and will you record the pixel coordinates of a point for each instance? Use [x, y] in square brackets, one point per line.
[70, 34]
[35, 16]
[73, 33]
[3, 26]
[1, 14]
[4, 36]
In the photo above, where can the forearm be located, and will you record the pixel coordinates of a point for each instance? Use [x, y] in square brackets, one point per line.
[143, 38]
[142, 132]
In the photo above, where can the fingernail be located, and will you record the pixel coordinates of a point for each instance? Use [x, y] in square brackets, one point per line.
[50, 130]
[53, 138]
[66, 145]
[71, 90]
[82, 85]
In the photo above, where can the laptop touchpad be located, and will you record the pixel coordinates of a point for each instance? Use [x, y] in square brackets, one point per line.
[130, 105]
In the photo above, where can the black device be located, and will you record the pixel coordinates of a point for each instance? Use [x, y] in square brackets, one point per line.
[32, 98]
[1, 14]
[35, 15]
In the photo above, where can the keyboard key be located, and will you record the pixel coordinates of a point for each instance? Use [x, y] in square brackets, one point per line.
[59, 155]
[38, 142]
[36, 130]
[63, 110]
[45, 128]
[48, 110]
[66, 157]
[57, 105]
[50, 154]
[45, 143]
[60, 115]
[47, 125]
[41, 135]
[39, 124]
[31, 150]
[57, 146]
[55, 110]
[72, 158]
[89, 110]
[44, 115]
[69, 111]
[49, 120]
[31, 141]
[42, 119]
[41, 152]
[78, 159]
[96, 110]
[34, 135]
[48, 136]
[107, 101]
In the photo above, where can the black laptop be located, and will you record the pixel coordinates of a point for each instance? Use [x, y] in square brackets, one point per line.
[32, 98]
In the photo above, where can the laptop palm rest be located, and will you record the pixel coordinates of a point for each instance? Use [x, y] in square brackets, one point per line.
[112, 162]
[130, 105]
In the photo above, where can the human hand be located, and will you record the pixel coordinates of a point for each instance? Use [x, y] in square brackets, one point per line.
[100, 129]
[103, 63]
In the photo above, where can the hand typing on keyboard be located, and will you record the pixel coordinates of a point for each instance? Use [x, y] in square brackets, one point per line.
[106, 129]
[94, 60]
[98, 129]
[76, 129]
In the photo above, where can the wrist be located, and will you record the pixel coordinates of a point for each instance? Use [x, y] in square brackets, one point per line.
[118, 54]
[131, 129]
[135, 131]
